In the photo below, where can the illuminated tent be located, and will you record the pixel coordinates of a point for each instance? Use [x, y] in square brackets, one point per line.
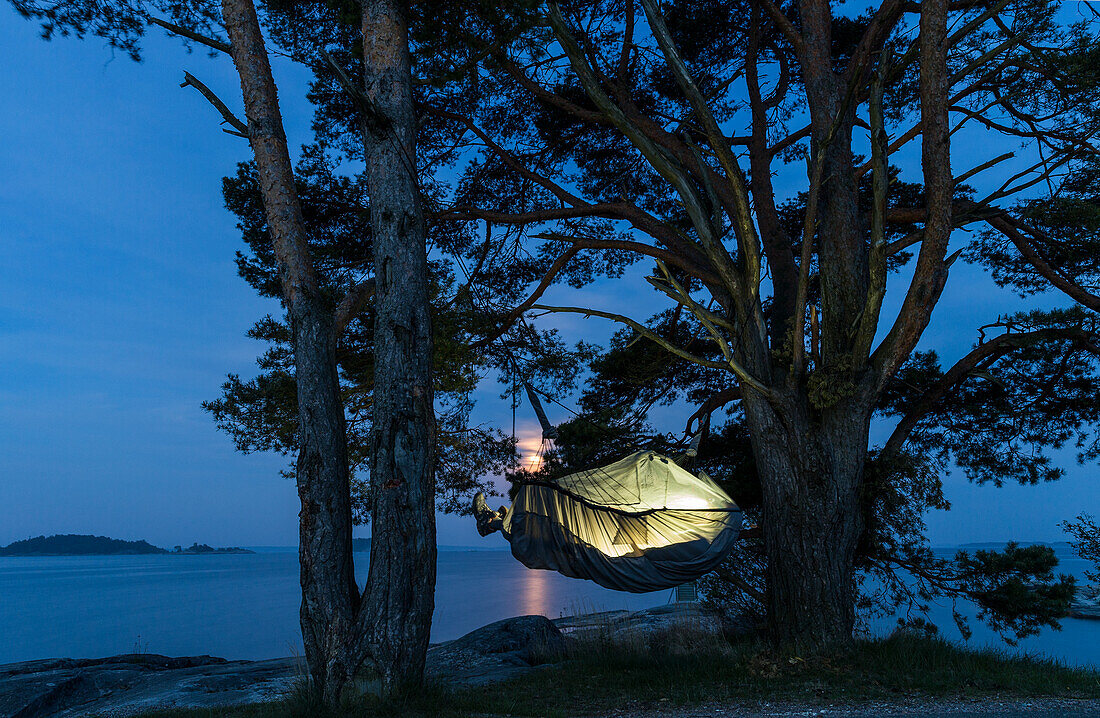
[640, 524]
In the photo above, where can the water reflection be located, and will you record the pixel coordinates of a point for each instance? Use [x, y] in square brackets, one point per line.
[532, 594]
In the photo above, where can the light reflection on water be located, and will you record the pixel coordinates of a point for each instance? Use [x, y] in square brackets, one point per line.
[533, 597]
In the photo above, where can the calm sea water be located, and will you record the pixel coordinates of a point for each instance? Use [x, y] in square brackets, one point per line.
[1078, 643]
[246, 606]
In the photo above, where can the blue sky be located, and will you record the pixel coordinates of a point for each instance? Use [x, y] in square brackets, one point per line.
[121, 311]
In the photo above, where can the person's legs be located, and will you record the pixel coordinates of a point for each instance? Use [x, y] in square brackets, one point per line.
[488, 521]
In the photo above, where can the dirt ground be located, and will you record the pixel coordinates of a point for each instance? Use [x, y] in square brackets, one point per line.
[903, 708]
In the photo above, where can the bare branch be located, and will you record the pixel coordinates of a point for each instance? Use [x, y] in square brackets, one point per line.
[708, 319]
[790, 140]
[517, 312]
[648, 333]
[983, 167]
[638, 327]
[673, 258]
[712, 404]
[674, 291]
[241, 129]
[1008, 227]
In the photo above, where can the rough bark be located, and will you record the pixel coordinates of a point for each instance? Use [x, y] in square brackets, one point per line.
[329, 593]
[401, 582]
[811, 471]
[389, 623]
[842, 252]
[930, 272]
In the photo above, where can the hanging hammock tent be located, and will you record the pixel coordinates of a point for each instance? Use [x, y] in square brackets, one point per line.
[640, 524]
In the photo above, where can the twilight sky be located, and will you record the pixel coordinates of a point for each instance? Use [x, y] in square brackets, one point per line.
[121, 311]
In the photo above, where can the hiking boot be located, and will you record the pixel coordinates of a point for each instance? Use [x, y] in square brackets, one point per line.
[481, 506]
[488, 521]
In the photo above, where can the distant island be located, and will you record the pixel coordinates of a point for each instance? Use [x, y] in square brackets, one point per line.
[82, 545]
[203, 548]
[1056, 545]
[360, 545]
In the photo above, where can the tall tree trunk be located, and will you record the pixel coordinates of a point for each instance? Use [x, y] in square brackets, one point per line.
[390, 622]
[329, 593]
[812, 474]
[403, 551]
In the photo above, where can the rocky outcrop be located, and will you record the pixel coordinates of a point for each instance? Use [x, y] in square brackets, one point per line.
[124, 685]
[691, 621]
[1085, 607]
[496, 652]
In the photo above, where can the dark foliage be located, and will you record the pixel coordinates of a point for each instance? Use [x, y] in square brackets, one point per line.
[1086, 542]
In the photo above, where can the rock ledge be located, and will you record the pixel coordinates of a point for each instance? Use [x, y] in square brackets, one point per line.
[128, 684]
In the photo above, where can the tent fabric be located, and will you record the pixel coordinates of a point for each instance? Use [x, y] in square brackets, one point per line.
[640, 524]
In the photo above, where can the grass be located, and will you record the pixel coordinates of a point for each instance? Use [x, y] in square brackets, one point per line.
[686, 667]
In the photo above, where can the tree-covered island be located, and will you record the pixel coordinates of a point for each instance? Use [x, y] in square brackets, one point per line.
[82, 545]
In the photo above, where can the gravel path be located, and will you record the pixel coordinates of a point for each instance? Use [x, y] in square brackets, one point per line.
[904, 708]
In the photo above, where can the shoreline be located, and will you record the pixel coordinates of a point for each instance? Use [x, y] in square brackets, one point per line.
[677, 661]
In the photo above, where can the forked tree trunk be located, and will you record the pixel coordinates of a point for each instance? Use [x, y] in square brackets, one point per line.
[812, 474]
[389, 623]
[403, 552]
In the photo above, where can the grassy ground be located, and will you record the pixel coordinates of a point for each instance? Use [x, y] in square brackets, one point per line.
[684, 669]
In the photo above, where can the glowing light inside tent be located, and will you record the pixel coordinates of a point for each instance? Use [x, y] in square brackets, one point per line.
[685, 501]
[640, 524]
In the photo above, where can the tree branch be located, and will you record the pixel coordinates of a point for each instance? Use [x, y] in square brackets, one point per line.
[1007, 226]
[212, 43]
[742, 216]
[878, 30]
[876, 261]
[659, 159]
[930, 273]
[995, 348]
[352, 304]
[517, 312]
[776, 241]
[790, 32]
[240, 129]
[712, 404]
[657, 253]
[648, 333]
